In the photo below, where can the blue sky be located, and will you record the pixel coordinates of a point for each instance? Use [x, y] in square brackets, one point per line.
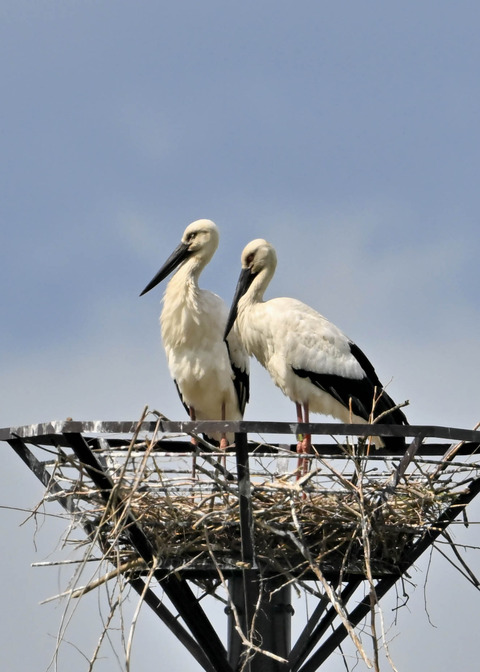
[345, 133]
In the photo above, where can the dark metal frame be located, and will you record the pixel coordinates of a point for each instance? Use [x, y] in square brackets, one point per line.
[248, 588]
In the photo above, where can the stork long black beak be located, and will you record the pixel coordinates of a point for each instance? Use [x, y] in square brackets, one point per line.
[244, 282]
[175, 259]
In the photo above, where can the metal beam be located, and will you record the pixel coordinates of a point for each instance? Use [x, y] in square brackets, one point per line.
[245, 590]
[242, 427]
[384, 585]
[150, 598]
[176, 588]
[262, 605]
[312, 635]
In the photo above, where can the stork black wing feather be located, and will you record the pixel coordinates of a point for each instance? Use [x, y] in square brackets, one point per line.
[185, 406]
[360, 393]
[384, 400]
[241, 383]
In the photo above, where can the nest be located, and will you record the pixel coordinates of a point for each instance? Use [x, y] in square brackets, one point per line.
[286, 524]
[325, 519]
[342, 519]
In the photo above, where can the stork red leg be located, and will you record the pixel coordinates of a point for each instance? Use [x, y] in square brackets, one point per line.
[194, 442]
[300, 446]
[223, 440]
[307, 439]
[304, 445]
[299, 419]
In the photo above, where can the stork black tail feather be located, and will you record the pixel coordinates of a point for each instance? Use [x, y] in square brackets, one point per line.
[391, 415]
[394, 444]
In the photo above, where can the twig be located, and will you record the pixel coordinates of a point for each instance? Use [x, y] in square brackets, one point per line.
[328, 589]
[449, 455]
[135, 616]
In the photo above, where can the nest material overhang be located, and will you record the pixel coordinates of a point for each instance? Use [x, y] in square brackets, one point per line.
[293, 526]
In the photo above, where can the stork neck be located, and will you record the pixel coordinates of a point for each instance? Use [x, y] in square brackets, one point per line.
[258, 287]
[184, 284]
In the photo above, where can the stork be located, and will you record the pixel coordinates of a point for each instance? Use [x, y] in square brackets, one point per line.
[211, 375]
[314, 364]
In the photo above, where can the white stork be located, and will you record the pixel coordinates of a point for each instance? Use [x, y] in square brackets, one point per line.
[211, 376]
[309, 358]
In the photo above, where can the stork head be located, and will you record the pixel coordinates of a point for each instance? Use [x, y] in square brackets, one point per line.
[201, 239]
[199, 242]
[259, 261]
[259, 255]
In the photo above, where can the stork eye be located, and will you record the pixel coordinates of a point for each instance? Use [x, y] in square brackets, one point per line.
[250, 258]
[191, 236]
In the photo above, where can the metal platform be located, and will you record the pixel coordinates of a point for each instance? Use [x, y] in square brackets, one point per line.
[83, 464]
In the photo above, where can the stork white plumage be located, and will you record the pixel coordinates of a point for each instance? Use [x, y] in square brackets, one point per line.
[211, 378]
[309, 358]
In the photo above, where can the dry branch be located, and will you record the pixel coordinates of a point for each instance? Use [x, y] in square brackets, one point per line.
[332, 522]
